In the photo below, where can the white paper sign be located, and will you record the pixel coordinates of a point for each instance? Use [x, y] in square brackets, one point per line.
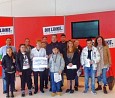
[57, 77]
[40, 62]
[6, 30]
[110, 42]
[53, 30]
[72, 67]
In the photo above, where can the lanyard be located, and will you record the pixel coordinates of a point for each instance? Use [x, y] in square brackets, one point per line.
[54, 59]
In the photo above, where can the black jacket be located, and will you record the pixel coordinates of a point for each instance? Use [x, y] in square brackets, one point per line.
[7, 63]
[75, 59]
[20, 59]
[50, 46]
[63, 47]
[79, 49]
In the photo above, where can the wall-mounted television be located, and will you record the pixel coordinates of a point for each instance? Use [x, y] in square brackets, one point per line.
[85, 29]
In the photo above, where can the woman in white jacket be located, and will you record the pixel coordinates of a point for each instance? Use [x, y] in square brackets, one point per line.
[89, 59]
[38, 51]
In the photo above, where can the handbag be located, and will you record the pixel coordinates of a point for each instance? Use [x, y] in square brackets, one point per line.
[110, 79]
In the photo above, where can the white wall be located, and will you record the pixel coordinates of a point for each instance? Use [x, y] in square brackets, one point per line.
[53, 7]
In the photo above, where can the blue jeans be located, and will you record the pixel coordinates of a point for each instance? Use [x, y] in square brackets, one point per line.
[4, 80]
[55, 86]
[89, 72]
[103, 77]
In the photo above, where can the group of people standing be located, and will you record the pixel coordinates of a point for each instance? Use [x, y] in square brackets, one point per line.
[62, 56]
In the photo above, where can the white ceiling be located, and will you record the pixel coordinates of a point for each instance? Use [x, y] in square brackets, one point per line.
[53, 7]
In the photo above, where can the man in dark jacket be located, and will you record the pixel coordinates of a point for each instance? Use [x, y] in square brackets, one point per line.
[63, 43]
[53, 43]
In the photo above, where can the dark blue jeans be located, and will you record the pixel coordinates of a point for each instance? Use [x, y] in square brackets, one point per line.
[10, 78]
[55, 86]
[76, 81]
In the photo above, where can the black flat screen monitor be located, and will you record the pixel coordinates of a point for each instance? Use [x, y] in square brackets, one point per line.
[85, 29]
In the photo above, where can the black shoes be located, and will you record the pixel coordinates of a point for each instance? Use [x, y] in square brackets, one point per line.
[68, 90]
[71, 91]
[104, 90]
[42, 91]
[46, 87]
[23, 95]
[7, 95]
[76, 88]
[35, 92]
[30, 93]
[12, 96]
[50, 89]
[98, 88]
[4, 92]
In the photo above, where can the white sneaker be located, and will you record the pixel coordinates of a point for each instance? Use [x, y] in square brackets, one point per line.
[94, 92]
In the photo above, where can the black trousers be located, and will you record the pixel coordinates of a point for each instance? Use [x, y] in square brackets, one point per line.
[26, 78]
[46, 74]
[31, 78]
[41, 73]
[10, 78]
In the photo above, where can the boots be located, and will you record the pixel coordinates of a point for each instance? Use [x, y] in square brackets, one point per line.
[104, 90]
[12, 95]
[99, 87]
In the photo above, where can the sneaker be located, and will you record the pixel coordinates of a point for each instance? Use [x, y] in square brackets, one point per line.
[85, 91]
[53, 94]
[94, 92]
[30, 93]
[67, 91]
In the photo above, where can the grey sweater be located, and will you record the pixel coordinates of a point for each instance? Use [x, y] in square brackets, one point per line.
[56, 63]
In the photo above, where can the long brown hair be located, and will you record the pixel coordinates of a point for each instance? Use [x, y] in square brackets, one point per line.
[73, 48]
[103, 41]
